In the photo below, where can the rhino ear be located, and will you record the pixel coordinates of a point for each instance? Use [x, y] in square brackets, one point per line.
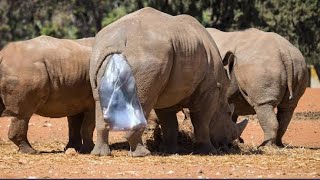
[229, 62]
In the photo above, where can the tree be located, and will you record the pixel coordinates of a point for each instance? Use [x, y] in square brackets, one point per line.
[296, 20]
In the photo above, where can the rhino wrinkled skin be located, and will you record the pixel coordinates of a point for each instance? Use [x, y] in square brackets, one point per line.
[173, 68]
[49, 77]
[268, 72]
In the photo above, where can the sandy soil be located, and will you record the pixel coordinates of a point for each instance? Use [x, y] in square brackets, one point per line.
[300, 159]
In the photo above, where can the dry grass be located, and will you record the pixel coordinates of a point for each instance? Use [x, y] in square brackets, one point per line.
[250, 162]
[306, 116]
[246, 162]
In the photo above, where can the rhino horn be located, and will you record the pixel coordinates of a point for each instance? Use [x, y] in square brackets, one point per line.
[242, 125]
[232, 107]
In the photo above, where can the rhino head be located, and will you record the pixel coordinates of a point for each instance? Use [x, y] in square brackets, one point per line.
[223, 131]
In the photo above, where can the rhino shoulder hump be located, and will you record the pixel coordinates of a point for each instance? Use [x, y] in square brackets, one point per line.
[148, 10]
[186, 18]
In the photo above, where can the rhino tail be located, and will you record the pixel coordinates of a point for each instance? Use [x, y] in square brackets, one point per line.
[288, 64]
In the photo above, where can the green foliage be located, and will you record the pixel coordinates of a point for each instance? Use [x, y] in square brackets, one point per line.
[296, 20]
[114, 15]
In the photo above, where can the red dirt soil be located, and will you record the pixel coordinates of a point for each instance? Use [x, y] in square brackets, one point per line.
[47, 134]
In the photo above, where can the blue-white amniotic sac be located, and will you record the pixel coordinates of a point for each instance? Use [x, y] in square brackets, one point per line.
[118, 96]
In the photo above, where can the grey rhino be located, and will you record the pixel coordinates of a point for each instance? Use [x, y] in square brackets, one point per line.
[49, 77]
[269, 72]
[172, 68]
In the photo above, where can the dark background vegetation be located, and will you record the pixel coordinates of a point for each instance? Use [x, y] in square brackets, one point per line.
[296, 20]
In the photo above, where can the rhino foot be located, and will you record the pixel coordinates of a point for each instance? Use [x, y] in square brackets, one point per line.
[73, 145]
[168, 149]
[27, 149]
[205, 149]
[171, 149]
[87, 148]
[101, 150]
[229, 149]
[280, 144]
[268, 143]
[140, 151]
[268, 149]
[241, 140]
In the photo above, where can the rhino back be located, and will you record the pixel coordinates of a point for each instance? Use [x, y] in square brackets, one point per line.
[68, 72]
[189, 60]
[158, 45]
[59, 72]
[265, 55]
[86, 41]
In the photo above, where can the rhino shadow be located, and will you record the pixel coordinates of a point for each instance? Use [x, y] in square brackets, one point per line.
[299, 147]
[186, 145]
[51, 152]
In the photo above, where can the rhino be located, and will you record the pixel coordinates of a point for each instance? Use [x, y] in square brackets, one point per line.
[49, 77]
[267, 73]
[167, 68]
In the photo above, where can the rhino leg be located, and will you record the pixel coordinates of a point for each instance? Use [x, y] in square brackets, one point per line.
[18, 134]
[203, 143]
[284, 116]
[169, 126]
[102, 146]
[74, 125]
[268, 122]
[134, 138]
[87, 129]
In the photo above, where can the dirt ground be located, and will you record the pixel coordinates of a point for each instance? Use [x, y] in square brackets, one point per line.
[300, 159]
